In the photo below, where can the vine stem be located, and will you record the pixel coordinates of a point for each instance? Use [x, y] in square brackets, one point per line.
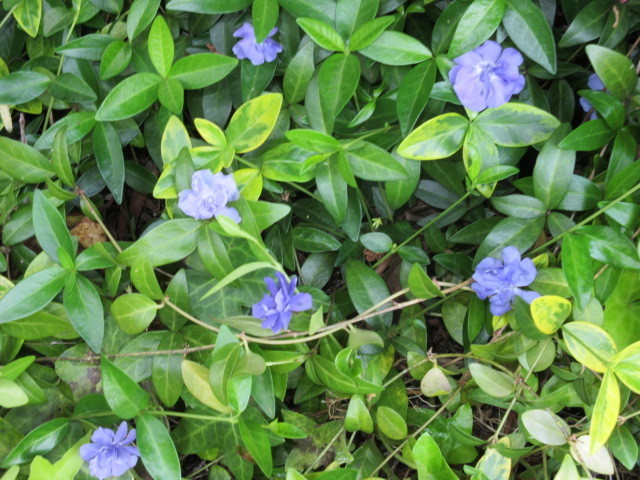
[588, 219]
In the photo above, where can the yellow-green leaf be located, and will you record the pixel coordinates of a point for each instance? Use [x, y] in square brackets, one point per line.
[196, 379]
[605, 412]
[549, 311]
[590, 345]
[253, 122]
[627, 366]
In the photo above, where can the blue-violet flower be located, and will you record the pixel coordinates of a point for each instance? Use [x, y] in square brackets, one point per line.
[276, 307]
[257, 53]
[501, 280]
[594, 83]
[487, 76]
[109, 454]
[209, 195]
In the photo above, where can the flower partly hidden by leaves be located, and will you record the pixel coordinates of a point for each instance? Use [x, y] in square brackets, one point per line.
[257, 53]
[110, 454]
[594, 83]
[501, 280]
[209, 196]
[276, 307]
[487, 76]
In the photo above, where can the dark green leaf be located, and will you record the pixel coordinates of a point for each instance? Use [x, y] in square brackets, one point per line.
[124, 396]
[157, 450]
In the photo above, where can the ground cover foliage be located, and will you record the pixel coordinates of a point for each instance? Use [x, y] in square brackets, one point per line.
[159, 160]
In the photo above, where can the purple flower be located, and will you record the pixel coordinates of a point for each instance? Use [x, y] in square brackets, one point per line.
[594, 83]
[257, 53]
[109, 454]
[209, 195]
[501, 280]
[487, 76]
[275, 309]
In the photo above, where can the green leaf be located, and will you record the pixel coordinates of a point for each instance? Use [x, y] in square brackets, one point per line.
[413, 94]
[610, 246]
[395, 48]
[358, 416]
[605, 411]
[549, 311]
[160, 46]
[553, 169]
[627, 366]
[264, 14]
[23, 162]
[624, 447]
[133, 312]
[430, 463]
[517, 124]
[72, 89]
[166, 373]
[526, 26]
[477, 24]
[437, 138]
[157, 450]
[587, 25]
[377, 242]
[78, 125]
[333, 189]
[252, 123]
[169, 242]
[140, 16]
[196, 379]
[298, 74]
[391, 423]
[50, 227]
[353, 14]
[256, 440]
[591, 135]
[131, 96]
[577, 267]
[492, 382]
[60, 158]
[109, 157]
[616, 71]
[201, 70]
[209, 7]
[590, 345]
[32, 294]
[313, 240]
[338, 79]
[545, 427]
[38, 441]
[88, 47]
[367, 289]
[144, 279]
[322, 34]
[323, 10]
[371, 162]
[421, 285]
[368, 32]
[11, 395]
[124, 396]
[21, 87]
[28, 14]
[84, 308]
[520, 206]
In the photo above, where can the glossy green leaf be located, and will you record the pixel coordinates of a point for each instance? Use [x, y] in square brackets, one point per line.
[477, 24]
[124, 396]
[157, 451]
[437, 138]
[322, 34]
[253, 122]
[517, 124]
[201, 70]
[616, 71]
[84, 308]
[50, 227]
[130, 97]
[395, 48]
[23, 162]
[590, 345]
[133, 312]
[38, 441]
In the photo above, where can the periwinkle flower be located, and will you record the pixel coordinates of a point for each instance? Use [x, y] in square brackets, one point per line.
[276, 308]
[209, 196]
[594, 83]
[501, 280]
[110, 453]
[257, 53]
[487, 76]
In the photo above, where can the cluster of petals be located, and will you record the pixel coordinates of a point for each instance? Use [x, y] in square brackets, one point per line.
[277, 307]
[209, 195]
[502, 280]
[110, 454]
[487, 76]
[257, 53]
[594, 83]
